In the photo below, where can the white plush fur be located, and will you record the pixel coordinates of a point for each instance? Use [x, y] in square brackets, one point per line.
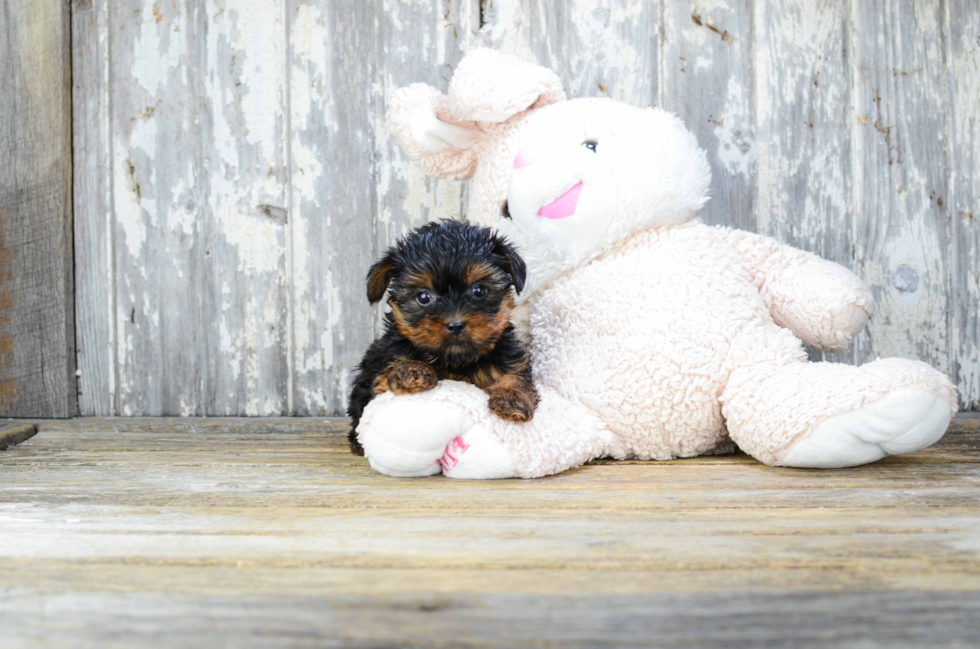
[653, 336]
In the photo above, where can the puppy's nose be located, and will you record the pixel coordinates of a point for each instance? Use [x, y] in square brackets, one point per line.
[456, 327]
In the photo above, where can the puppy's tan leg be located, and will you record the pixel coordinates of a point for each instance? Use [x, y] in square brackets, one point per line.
[406, 377]
[512, 397]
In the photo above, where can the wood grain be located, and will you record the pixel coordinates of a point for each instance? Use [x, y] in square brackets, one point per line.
[122, 533]
[803, 99]
[901, 225]
[37, 337]
[963, 148]
[13, 434]
[708, 82]
[94, 236]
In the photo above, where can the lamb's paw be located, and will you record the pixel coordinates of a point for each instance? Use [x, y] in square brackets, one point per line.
[904, 421]
[405, 436]
[478, 455]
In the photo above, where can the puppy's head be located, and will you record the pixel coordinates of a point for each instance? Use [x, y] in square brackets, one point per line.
[448, 286]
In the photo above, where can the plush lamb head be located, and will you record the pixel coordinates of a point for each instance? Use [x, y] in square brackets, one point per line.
[533, 157]
[653, 336]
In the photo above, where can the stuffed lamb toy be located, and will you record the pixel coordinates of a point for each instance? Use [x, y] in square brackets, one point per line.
[653, 336]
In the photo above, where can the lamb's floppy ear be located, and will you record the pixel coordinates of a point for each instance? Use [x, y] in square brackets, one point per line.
[513, 263]
[419, 118]
[490, 86]
[379, 277]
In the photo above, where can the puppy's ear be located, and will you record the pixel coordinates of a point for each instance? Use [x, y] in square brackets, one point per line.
[379, 277]
[513, 263]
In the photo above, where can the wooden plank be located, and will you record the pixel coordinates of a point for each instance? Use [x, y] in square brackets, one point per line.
[331, 68]
[37, 338]
[963, 146]
[353, 193]
[707, 67]
[13, 434]
[246, 227]
[159, 205]
[901, 177]
[803, 92]
[94, 236]
[607, 50]
[196, 214]
[269, 533]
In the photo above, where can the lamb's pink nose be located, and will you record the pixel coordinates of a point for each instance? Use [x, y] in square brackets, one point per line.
[523, 159]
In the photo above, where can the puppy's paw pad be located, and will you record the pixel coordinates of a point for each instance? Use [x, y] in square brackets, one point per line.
[411, 378]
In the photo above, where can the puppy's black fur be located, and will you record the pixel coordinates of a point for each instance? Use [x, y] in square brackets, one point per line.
[448, 286]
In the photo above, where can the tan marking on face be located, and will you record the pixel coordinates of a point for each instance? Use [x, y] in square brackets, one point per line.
[420, 279]
[485, 328]
[429, 333]
[480, 272]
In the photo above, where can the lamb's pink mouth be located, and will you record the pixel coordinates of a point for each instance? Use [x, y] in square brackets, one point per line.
[564, 205]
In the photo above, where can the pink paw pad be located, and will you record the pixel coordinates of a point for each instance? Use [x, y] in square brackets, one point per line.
[454, 451]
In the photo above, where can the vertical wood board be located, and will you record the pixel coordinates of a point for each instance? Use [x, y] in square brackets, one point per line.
[963, 146]
[901, 176]
[803, 102]
[707, 68]
[37, 338]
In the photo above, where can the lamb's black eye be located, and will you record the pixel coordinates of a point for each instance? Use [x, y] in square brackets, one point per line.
[591, 145]
[479, 291]
[423, 297]
[505, 210]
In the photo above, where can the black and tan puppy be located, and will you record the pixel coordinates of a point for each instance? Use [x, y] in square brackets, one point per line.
[448, 286]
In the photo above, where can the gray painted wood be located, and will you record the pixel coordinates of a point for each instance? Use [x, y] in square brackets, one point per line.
[37, 338]
[804, 119]
[708, 82]
[94, 243]
[901, 177]
[232, 282]
[963, 147]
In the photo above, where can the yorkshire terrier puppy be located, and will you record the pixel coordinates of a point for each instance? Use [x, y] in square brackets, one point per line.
[448, 287]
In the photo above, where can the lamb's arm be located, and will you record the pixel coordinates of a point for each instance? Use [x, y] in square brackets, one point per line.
[823, 303]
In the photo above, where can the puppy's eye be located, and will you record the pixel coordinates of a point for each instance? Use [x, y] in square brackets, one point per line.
[591, 145]
[423, 297]
[479, 291]
[505, 210]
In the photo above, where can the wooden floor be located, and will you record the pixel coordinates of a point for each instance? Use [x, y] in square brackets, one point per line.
[210, 533]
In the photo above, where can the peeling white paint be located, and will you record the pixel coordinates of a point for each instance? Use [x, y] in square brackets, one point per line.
[159, 52]
[736, 146]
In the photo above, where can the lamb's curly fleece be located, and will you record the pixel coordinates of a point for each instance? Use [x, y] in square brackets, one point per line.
[653, 335]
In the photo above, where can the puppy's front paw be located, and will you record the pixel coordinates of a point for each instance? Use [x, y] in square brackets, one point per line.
[513, 403]
[412, 377]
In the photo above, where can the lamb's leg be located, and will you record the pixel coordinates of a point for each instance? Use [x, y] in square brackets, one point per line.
[827, 415]
[404, 436]
[561, 435]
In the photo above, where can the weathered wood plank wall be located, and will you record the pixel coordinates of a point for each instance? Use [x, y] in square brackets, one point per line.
[37, 338]
[234, 179]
